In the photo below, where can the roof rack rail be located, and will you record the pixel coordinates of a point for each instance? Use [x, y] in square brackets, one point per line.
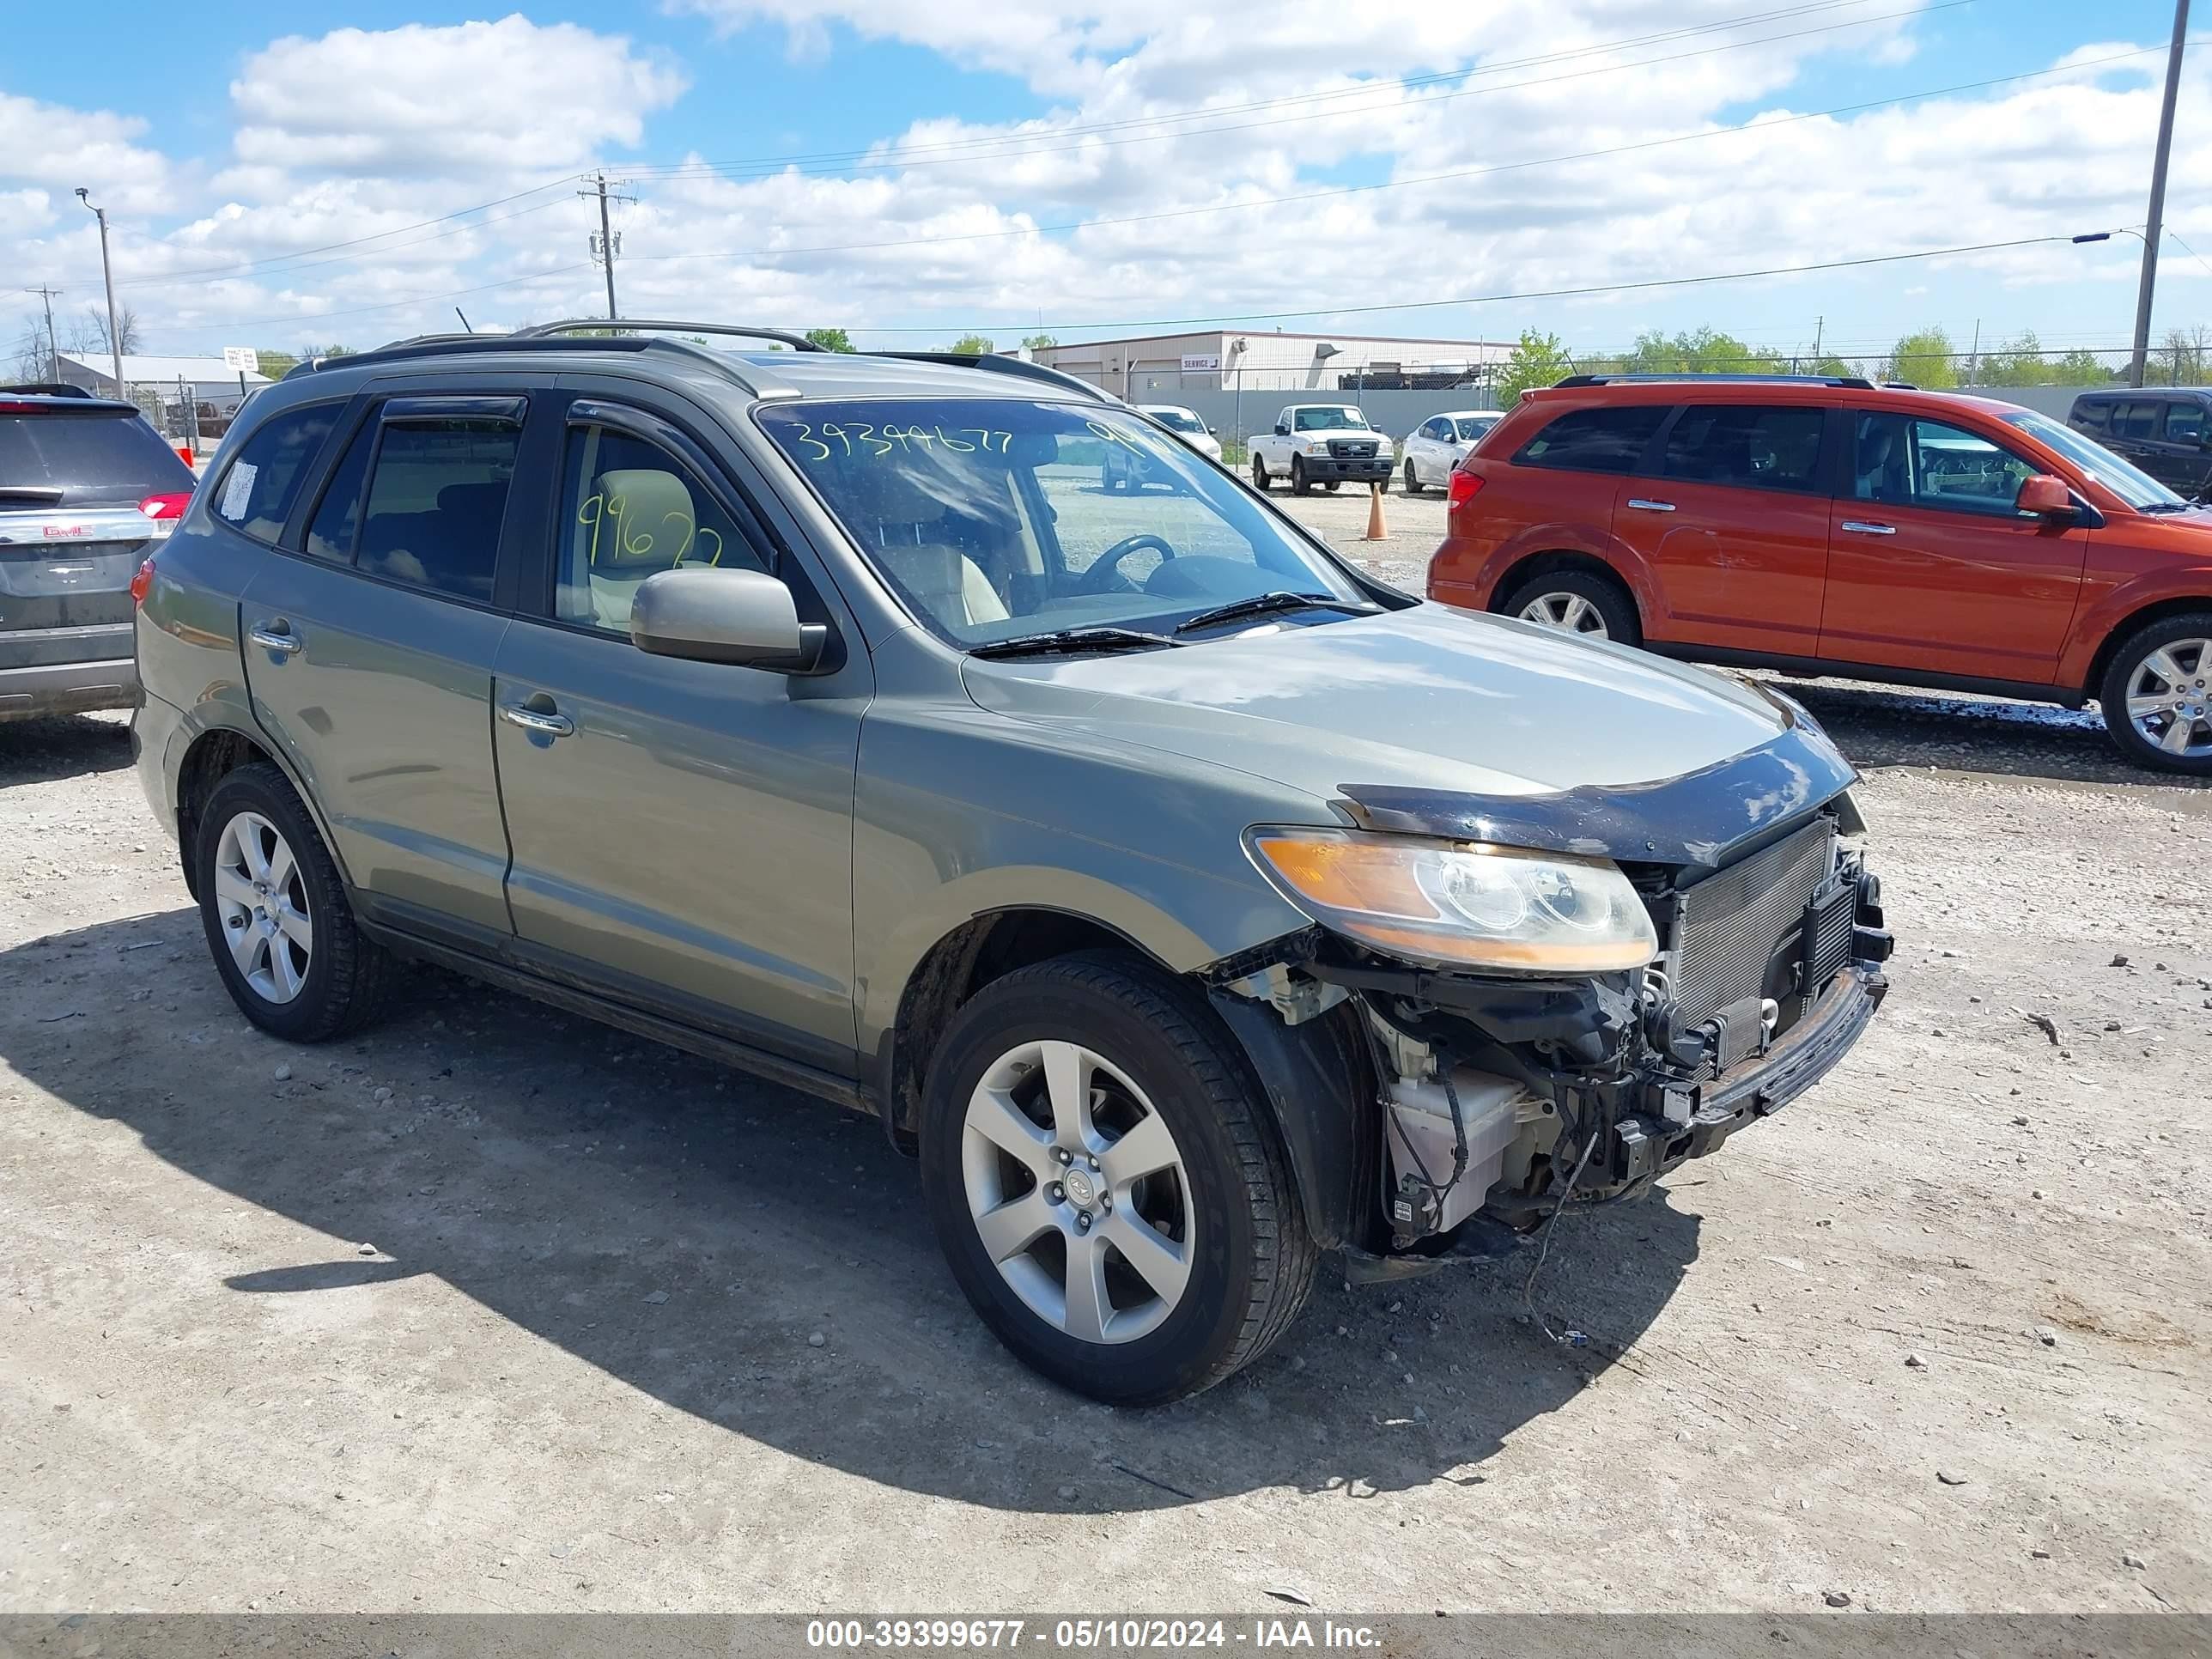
[603, 326]
[1855, 382]
[567, 336]
[997, 363]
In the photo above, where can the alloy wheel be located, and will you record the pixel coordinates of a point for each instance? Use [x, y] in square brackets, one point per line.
[262, 899]
[1078, 1192]
[1570, 613]
[2169, 703]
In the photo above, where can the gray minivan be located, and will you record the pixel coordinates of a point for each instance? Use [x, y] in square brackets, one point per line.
[1189, 901]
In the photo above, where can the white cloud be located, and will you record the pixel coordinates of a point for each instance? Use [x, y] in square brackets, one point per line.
[471, 98]
[58, 150]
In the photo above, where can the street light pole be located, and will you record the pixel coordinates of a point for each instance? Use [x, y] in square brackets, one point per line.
[107, 276]
[2158, 193]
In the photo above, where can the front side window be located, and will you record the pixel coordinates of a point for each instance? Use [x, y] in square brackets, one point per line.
[1471, 429]
[1933, 464]
[1756, 447]
[990, 518]
[435, 503]
[630, 508]
[1329, 419]
[1595, 439]
[262, 481]
[2185, 423]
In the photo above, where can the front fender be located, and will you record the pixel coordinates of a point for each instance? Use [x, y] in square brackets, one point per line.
[2125, 594]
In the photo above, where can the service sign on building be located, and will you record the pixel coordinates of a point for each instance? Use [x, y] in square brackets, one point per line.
[1202, 364]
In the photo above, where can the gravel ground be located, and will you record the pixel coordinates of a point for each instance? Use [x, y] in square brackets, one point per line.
[494, 1309]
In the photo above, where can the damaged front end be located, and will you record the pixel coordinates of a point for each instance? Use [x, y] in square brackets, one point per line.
[1430, 1104]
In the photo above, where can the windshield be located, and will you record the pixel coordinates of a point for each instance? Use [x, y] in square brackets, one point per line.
[1471, 428]
[994, 518]
[1328, 420]
[2136, 487]
[1179, 420]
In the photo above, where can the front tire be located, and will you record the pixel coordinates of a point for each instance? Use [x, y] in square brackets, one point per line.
[1299, 484]
[2156, 694]
[1105, 1184]
[274, 909]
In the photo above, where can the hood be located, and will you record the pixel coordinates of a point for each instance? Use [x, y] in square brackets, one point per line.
[1428, 700]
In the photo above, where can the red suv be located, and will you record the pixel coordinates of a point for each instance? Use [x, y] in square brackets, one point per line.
[1839, 527]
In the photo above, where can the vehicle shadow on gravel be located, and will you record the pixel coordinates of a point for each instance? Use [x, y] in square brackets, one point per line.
[1876, 728]
[50, 747]
[691, 1232]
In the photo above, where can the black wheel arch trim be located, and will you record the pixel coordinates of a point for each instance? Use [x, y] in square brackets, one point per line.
[1317, 1083]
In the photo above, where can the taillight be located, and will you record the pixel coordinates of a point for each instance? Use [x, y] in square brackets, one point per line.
[141, 582]
[1464, 484]
[166, 507]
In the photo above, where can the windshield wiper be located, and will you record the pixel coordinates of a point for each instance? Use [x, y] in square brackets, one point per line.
[1261, 604]
[2167, 506]
[1069, 640]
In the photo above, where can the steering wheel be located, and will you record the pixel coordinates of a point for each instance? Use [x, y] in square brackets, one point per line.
[1105, 575]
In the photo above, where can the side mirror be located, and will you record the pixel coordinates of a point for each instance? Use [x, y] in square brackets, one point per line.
[1209, 430]
[742, 617]
[1282, 429]
[2045, 496]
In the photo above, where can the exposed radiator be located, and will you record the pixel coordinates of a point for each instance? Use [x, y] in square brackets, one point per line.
[1729, 924]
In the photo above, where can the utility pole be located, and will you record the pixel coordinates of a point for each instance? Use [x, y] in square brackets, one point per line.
[2158, 193]
[607, 246]
[115, 340]
[1974, 357]
[54, 352]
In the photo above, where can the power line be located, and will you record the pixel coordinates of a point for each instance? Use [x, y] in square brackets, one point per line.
[274, 269]
[247, 266]
[303, 319]
[1337, 191]
[1001, 146]
[1579, 291]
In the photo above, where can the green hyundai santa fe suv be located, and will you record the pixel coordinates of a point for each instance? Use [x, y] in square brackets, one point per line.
[1187, 900]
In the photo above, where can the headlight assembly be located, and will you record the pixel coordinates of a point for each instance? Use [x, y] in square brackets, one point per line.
[1460, 904]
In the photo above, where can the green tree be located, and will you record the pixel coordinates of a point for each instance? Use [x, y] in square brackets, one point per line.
[1830, 366]
[1704, 351]
[829, 339]
[971, 345]
[273, 363]
[2080, 367]
[308, 352]
[1539, 360]
[2020, 363]
[1923, 357]
[1039, 341]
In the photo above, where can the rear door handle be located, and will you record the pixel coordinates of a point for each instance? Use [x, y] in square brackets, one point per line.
[1860, 527]
[1643, 506]
[275, 637]
[532, 720]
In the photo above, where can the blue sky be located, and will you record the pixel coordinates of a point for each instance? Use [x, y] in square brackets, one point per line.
[241, 158]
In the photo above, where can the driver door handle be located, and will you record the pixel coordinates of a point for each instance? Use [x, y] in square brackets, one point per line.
[1860, 527]
[533, 720]
[277, 636]
[1643, 505]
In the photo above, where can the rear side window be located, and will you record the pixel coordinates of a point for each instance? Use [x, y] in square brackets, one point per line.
[2185, 423]
[2092, 417]
[1756, 447]
[257, 487]
[92, 458]
[435, 502]
[337, 515]
[1595, 439]
[2135, 420]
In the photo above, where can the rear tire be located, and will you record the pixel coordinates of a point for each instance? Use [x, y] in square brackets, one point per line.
[274, 912]
[1135, 1045]
[1604, 601]
[1258, 475]
[2157, 692]
[1412, 478]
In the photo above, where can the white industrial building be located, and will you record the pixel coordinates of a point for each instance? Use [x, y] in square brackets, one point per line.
[205, 380]
[1252, 360]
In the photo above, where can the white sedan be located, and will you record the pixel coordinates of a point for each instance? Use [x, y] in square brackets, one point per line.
[1125, 470]
[1434, 448]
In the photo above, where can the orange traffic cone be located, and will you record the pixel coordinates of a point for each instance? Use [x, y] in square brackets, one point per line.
[1377, 530]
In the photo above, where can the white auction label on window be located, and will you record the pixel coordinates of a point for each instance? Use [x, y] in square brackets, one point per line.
[238, 490]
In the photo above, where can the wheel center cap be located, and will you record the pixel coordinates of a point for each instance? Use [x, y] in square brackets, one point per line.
[1082, 1187]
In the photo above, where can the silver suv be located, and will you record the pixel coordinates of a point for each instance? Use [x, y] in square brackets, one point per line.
[1187, 900]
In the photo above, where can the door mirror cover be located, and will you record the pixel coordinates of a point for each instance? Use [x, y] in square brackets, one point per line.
[742, 617]
[2048, 496]
[1282, 429]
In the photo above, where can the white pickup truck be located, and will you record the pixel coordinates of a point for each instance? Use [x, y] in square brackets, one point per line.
[1321, 444]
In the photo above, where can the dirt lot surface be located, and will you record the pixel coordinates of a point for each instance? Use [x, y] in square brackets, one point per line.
[495, 1309]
